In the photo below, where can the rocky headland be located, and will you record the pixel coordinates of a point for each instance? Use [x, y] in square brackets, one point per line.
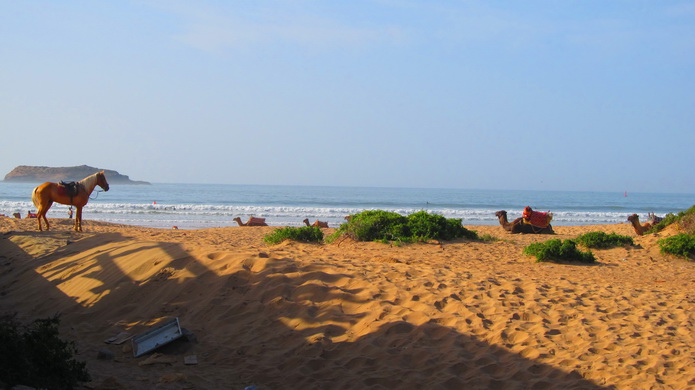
[33, 174]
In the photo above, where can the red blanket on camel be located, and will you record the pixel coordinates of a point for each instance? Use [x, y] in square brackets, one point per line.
[537, 218]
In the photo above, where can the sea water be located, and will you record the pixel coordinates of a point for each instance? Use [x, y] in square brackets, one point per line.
[193, 206]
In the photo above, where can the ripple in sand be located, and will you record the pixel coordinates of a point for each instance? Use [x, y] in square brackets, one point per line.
[516, 337]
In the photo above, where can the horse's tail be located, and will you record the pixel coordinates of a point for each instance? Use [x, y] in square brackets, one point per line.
[34, 197]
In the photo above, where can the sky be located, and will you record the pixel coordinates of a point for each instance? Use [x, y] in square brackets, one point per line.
[584, 95]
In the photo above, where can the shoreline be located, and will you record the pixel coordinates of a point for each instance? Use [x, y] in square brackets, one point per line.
[164, 206]
[457, 314]
[209, 222]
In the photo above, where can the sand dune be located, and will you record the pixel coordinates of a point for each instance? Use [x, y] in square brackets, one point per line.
[455, 315]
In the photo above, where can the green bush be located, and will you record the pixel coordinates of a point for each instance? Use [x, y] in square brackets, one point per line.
[601, 240]
[687, 223]
[385, 226]
[425, 226]
[302, 234]
[558, 250]
[682, 245]
[373, 225]
[685, 218]
[668, 219]
[35, 356]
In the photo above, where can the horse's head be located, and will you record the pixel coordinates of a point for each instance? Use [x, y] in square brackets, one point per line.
[101, 181]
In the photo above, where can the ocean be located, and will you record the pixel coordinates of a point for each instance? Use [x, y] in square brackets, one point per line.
[194, 206]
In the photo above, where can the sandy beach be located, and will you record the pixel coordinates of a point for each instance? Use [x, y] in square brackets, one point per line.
[355, 315]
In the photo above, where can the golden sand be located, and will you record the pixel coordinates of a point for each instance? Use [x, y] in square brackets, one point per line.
[349, 315]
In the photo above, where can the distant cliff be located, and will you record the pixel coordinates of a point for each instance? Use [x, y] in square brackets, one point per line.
[25, 173]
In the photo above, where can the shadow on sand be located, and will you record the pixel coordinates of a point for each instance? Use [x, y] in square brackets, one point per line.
[264, 321]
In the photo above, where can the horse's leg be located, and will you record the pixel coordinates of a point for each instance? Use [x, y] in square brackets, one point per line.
[48, 227]
[38, 218]
[78, 219]
[41, 213]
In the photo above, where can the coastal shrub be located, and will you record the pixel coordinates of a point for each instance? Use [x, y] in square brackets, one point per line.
[301, 234]
[36, 356]
[686, 219]
[425, 226]
[682, 245]
[668, 220]
[374, 225]
[687, 223]
[558, 250]
[601, 240]
[386, 226]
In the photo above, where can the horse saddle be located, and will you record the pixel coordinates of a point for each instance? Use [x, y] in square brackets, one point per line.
[71, 188]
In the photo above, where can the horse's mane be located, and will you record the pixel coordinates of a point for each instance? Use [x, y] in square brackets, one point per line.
[89, 182]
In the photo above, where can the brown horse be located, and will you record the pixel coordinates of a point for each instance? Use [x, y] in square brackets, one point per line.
[47, 193]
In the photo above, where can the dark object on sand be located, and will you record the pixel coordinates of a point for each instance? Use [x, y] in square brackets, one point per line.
[157, 337]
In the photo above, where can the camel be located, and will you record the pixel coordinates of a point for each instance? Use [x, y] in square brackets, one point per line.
[654, 219]
[318, 223]
[640, 228]
[253, 221]
[518, 225]
[506, 225]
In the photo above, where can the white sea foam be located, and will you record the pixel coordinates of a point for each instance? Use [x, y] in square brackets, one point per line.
[202, 206]
[200, 216]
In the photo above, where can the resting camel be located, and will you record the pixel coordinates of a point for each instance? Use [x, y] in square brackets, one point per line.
[253, 221]
[318, 223]
[518, 225]
[654, 219]
[502, 216]
[640, 228]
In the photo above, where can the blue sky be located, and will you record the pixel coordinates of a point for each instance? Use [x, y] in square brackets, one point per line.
[551, 95]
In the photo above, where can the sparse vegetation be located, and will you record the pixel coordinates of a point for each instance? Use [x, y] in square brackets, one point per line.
[385, 226]
[301, 234]
[35, 356]
[682, 245]
[686, 219]
[488, 238]
[687, 223]
[601, 240]
[558, 250]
